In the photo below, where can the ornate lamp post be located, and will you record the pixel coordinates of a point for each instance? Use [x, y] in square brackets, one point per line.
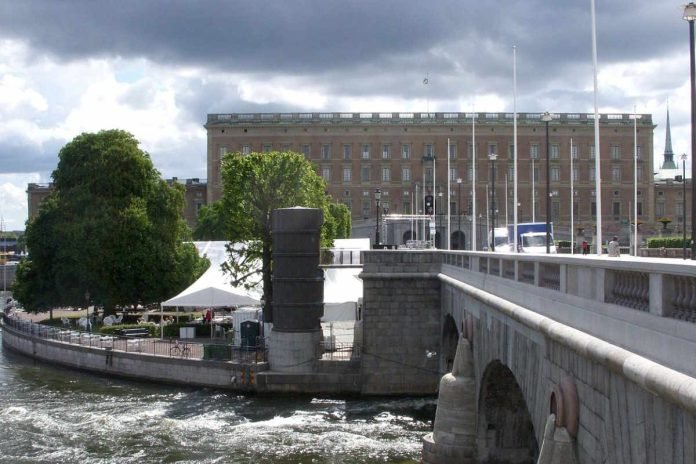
[690, 16]
[378, 196]
[493, 157]
[546, 117]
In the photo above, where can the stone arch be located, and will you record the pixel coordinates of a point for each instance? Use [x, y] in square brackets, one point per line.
[458, 240]
[505, 430]
[450, 338]
[408, 235]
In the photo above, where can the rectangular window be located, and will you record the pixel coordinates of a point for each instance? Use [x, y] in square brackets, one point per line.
[306, 151]
[680, 211]
[406, 174]
[574, 151]
[492, 148]
[428, 151]
[593, 209]
[640, 208]
[638, 154]
[428, 174]
[246, 149]
[326, 151]
[660, 210]
[591, 152]
[405, 151]
[347, 174]
[222, 151]
[287, 146]
[346, 152]
[616, 173]
[511, 151]
[591, 173]
[535, 173]
[555, 174]
[639, 173]
[555, 152]
[470, 150]
[326, 173]
[386, 151]
[534, 151]
[511, 174]
[615, 152]
[453, 174]
[616, 210]
[555, 210]
[365, 151]
[386, 174]
[470, 174]
[267, 147]
[575, 173]
[365, 174]
[453, 151]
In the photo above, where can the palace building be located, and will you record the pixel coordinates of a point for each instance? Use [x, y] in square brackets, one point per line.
[409, 157]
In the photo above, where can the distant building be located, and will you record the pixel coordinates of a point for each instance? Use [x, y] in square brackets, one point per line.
[357, 153]
[194, 197]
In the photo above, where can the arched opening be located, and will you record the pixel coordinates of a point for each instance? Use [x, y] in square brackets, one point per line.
[450, 337]
[458, 240]
[408, 235]
[505, 429]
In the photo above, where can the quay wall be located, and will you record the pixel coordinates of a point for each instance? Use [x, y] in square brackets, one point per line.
[139, 366]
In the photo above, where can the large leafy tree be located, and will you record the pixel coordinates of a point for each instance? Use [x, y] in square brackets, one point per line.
[111, 232]
[253, 186]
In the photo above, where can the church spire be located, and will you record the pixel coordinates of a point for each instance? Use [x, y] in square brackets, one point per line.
[668, 162]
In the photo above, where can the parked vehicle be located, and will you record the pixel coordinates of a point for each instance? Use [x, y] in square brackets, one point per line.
[532, 237]
[502, 242]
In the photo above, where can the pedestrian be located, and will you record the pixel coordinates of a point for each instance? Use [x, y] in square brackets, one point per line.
[585, 248]
[613, 247]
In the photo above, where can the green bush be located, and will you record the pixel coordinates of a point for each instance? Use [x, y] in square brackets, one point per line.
[563, 243]
[668, 242]
[111, 329]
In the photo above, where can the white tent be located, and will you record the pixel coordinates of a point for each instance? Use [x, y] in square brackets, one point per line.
[342, 289]
[212, 289]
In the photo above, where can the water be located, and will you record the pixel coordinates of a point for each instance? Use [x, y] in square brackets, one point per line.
[55, 415]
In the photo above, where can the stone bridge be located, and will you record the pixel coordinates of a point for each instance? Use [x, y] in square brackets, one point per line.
[558, 358]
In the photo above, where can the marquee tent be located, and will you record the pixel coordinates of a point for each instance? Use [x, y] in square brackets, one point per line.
[212, 289]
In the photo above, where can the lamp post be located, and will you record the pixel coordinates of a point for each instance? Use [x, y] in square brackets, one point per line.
[459, 213]
[546, 117]
[683, 158]
[378, 196]
[492, 157]
[690, 16]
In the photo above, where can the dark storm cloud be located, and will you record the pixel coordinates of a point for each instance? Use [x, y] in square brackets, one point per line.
[17, 156]
[315, 37]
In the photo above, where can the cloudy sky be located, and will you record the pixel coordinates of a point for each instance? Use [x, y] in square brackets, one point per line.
[157, 67]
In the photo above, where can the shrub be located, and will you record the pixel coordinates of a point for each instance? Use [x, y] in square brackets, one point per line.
[668, 242]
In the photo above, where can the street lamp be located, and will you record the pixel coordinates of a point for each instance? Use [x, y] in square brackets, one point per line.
[492, 157]
[690, 16]
[546, 117]
[459, 212]
[378, 196]
[683, 158]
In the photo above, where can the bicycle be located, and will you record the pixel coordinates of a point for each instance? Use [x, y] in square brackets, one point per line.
[179, 350]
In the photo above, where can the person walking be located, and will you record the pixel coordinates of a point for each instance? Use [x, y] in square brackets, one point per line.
[613, 248]
[585, 248]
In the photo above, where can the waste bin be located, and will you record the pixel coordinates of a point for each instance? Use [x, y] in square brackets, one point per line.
[249, 332]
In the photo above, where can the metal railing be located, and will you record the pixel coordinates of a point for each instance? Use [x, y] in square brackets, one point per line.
[172, 348]
[333, 351]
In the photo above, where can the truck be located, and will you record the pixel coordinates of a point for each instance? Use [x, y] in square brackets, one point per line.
[532, 237]
[502, 240]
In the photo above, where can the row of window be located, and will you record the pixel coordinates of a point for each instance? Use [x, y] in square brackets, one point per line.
[406, 174]
[365, 151]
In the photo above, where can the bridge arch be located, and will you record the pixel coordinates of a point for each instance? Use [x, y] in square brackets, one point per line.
[505, 429]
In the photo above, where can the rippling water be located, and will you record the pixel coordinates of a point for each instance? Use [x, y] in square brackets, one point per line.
[52, 415]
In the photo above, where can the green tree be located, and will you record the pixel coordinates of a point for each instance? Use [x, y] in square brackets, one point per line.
[253, 186]
[111, 232]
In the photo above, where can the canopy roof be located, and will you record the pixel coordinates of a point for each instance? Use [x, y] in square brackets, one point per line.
[212, 289]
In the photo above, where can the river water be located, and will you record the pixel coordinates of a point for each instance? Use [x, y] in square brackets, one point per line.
[55, 415]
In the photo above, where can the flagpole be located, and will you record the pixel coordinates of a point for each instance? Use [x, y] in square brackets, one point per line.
[473, 184]
[598, 173]
[448, 194]
[514, 145]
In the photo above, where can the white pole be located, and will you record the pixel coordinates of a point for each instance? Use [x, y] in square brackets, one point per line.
[506, 201]
[533, 195]
[514, 142]
[473, 183]
[572, 202]
[448, 193]
[4, 263]
[416, 212]
[598, 173]
[434, 202]
[412, 230]
[635, 184]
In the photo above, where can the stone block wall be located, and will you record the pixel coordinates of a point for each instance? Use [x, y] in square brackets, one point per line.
[401, 322]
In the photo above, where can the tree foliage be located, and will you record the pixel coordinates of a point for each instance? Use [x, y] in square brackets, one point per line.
[253, 186]
[111, 232]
